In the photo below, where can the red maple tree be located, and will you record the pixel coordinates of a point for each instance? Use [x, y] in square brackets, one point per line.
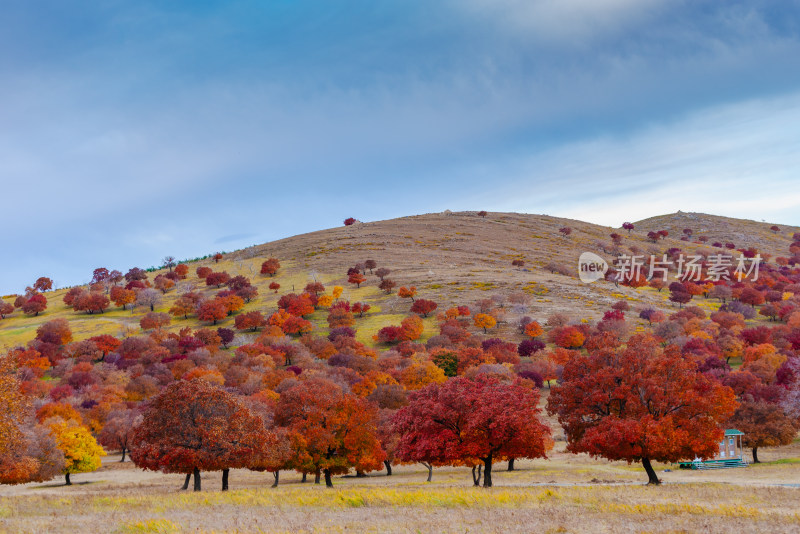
[640, 403]
[464, 421]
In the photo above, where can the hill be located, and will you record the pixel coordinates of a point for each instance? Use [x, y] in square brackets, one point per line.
[452, 258]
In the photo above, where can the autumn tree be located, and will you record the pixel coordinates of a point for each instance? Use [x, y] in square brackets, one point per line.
[387, 285]
[250, 321]
[13, 405]
[43, 284]
[298, 305]
[640, 403]
[218, 279]
[357, 279]
[274, 286]
[182, 270]
[6, 308]
[382, 273]
[212, 310]
[340, 317]
[163, 284]
[270, 266]
[183, 306]
[567, 337]
[628, 226]
[407, 292]
[466, 420]
[679, 293]
[34, 304]
[485, 321]
[349, 221]
[424, 307]
[81, 452]
[117, 432]
[411, 328]
[752, 296]
[154, 321]
[105, 343]
[148, 297]
[332, 431]
[33, 458]
[135, 274]
[533, 329]
[122, 297]
[360, 308]
[194, 426]
[764, 424]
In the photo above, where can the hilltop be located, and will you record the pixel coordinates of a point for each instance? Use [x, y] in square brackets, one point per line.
[452, 258]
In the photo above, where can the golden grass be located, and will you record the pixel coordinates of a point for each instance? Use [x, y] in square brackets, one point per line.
[428, 508]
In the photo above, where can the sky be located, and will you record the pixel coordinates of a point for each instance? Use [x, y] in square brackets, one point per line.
[130, 131]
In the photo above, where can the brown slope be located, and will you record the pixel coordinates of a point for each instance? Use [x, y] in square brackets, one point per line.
[743, 233]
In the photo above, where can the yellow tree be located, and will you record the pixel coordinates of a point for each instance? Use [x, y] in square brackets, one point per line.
[81, 452]
[337, 292]
[485, 321]
[421, 373]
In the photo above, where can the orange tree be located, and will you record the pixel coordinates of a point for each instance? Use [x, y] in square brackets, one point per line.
[465, 420]
[640, 403]
[331, 431]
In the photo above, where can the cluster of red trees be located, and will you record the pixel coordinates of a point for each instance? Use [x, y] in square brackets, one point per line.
[282, 397]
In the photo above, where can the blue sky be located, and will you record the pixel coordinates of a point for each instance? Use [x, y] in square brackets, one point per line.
[133, 130]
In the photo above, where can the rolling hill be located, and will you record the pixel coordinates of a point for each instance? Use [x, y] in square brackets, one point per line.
[452, 258]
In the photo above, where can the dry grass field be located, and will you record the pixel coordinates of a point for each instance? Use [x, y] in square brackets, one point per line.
[565, 493]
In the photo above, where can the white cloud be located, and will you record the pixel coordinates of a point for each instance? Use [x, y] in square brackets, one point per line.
[739, 160]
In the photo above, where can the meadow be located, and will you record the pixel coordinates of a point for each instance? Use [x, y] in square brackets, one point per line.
[565, 493]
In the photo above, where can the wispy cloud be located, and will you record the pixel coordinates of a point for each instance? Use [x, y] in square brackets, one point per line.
[738, 160]
[136, 130]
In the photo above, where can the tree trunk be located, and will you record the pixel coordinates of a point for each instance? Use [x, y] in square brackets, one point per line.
[67, 483]
[511, 464]
[304, 478]
[360, 474]
[277, 475]
[196, 474]
[651, 473]
[316, 477]
[152, 307]
[225, 473]
[430, 470]
[328, 481]
[186, 482]
[124, 450]
[487, 472]
[755, 456]
[388, 465]
[476, 474]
